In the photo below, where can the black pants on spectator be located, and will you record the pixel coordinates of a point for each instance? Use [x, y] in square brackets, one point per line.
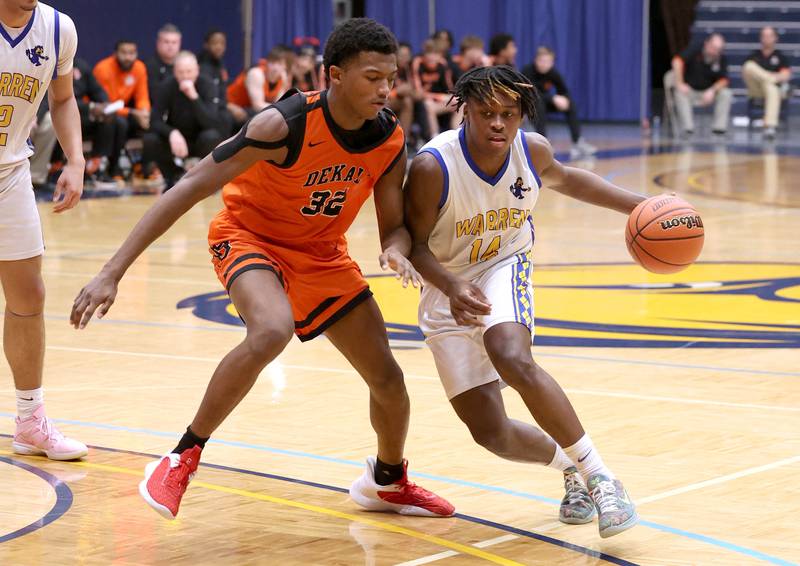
[125, 127]
[545, 106]
[157, 149]
[102, 133]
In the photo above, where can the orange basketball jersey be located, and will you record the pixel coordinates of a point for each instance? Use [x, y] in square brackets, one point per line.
[237, 91]
[328, 173]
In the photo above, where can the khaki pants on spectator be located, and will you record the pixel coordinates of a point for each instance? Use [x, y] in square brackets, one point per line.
[44, 140]
[761, 84]
[722, 108]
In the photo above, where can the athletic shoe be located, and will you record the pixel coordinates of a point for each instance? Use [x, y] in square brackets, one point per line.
[577, 506]
[165, 481]
[402, 496]
[38, 435]
[616, 511]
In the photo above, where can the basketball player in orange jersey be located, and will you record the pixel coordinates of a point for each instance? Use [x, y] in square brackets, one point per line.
[294, 179]
[469, 196]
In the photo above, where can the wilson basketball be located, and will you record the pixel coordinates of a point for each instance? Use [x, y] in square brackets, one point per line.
[664, 234]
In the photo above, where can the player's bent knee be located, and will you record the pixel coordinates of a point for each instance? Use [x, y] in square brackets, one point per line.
[389, 380]
[515, 370]
[493, 439]
[266, 339]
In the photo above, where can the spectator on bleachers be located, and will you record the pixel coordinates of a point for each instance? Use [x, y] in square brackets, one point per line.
[503, 50]
[404, 98]
[159, 66]
[432, 78]
[701, 77]
[303, 70]
[554, 97]
[471, 55]
[767, 73]
[124, 78]
[258, 86]
[95, 123]
[186, 119]
[212, 65]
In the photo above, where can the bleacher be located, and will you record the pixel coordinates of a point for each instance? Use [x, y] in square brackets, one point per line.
[740, 22]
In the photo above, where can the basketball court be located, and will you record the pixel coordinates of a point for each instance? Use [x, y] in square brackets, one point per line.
[688, 383]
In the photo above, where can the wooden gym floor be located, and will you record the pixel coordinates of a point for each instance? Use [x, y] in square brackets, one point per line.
[689, 385]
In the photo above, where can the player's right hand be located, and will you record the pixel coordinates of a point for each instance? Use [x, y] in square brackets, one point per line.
[467, 302]
[100, 293]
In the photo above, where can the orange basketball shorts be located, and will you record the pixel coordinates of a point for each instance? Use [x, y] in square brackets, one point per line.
[321, 280]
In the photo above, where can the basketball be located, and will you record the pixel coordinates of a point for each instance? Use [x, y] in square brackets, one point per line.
[664, 234]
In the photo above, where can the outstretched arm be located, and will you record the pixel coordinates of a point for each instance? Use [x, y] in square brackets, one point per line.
[578, 183]
[395, 239]
[230, 159]
[422, 194]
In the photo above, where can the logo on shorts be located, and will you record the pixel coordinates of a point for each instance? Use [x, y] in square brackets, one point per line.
[710, 305]
[221, 250]
[36, 55]
[518, 190]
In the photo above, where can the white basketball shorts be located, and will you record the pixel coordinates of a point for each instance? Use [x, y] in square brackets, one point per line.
[20, 225]
[458, 351]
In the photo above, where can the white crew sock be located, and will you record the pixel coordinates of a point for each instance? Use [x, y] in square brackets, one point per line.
[560, 459]
[28, 401]
[587, 459]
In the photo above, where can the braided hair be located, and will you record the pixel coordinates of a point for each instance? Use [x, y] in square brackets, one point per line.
[485, 84]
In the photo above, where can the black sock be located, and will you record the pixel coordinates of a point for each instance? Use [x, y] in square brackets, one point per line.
[189, 440]
[387, 473]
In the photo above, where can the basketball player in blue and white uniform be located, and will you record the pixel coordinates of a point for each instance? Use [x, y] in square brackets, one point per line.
[469, 199]
[37, 46]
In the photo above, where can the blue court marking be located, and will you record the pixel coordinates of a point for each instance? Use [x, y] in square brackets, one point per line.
[477, 520]
[61, 506]
[483, 487]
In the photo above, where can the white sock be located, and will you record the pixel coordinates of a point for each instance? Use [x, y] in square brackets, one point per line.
[28, 401]
[587, 459]
[560, 460]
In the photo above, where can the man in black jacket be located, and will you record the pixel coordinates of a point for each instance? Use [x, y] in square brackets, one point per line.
[185, 121]
[159, 66]
[554, 97]
[212, 65]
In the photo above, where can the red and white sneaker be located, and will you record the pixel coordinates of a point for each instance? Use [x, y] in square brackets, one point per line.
[38, 435]
[402, 496]
[165, 481]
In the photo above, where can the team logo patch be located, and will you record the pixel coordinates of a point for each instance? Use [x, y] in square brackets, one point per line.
[221, 250]
[36, 55]
[518, 190]
[709, 305]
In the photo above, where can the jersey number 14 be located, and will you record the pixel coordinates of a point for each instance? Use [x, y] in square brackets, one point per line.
[475, 254]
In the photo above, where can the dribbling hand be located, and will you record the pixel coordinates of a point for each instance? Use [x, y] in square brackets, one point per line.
[467, 302]
[100, 293]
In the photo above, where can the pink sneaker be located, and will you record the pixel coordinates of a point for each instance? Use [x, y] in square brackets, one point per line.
[38, 435]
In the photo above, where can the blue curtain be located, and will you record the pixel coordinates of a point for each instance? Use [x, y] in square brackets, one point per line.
[280, 21]
[100, 24]
[597, 43]
[409, 19]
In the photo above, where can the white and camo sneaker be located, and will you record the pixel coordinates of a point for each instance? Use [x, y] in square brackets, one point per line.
[616, 511]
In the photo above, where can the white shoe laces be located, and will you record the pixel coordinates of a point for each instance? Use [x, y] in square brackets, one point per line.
[605, 496]
[574, 488]
[51, 432]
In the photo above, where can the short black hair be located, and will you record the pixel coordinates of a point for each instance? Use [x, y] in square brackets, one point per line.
[124, 42]
[446, 32]
[483, 84]
[211, 33]
[499, 42]
[354, 36]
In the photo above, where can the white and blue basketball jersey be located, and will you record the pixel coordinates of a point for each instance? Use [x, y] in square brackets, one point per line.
[30, 57]
[482, 220]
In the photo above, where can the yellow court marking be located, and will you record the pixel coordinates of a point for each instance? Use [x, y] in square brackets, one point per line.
[464, 549]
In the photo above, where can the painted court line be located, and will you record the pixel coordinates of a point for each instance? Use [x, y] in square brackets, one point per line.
[450, 553]
[719, 480]
[429, 378]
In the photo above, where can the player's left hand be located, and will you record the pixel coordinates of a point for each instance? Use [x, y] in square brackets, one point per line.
[397, 262]
[69, 187]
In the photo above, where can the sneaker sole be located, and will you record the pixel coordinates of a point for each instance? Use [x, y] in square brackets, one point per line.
[28, 450]
[576, 520]
[157, 507]
[371, 504]
[616, 529]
